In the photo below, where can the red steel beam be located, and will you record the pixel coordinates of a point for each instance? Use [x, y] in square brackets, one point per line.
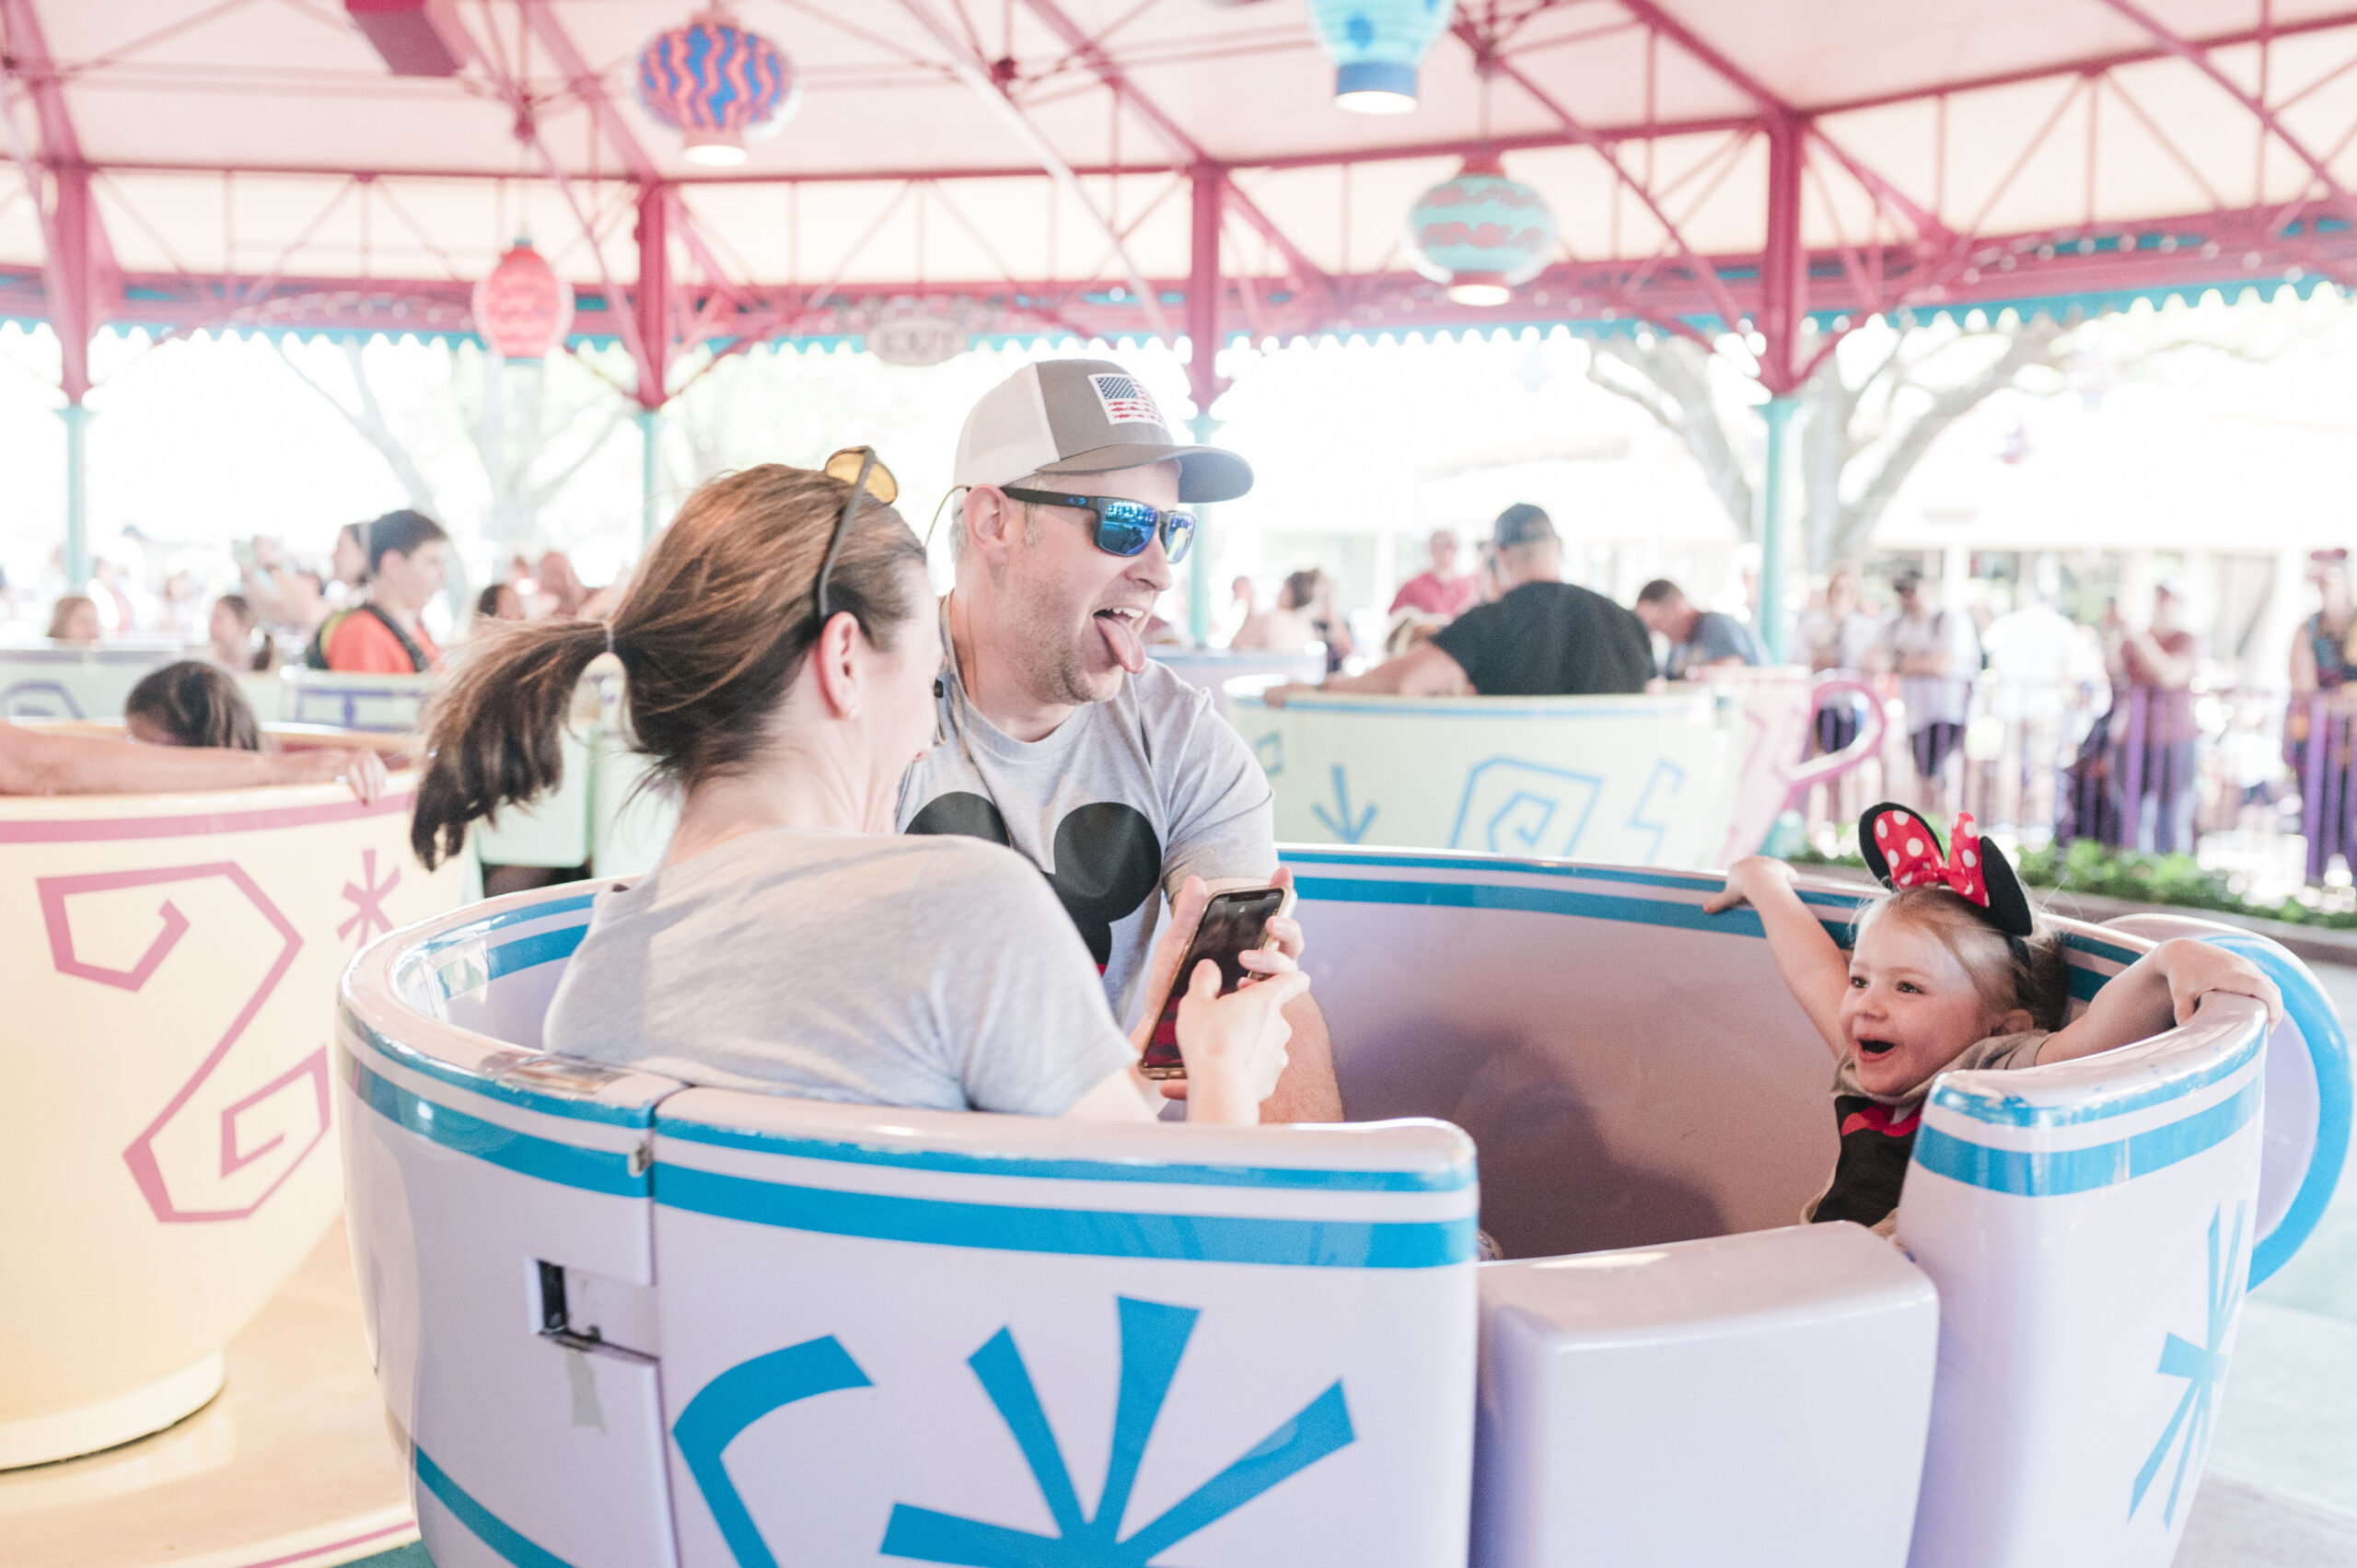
[985, 84]
[73, 260]
[1783, 265]
[651, 303]
[2198, 57]
[2091, 65]
[79, 259]
[1185, 148]
[1459, 147]
[1651, 13]
[590, 89]
[2228, 250]
[650, 359]
[1204, 287]
[1473, 41]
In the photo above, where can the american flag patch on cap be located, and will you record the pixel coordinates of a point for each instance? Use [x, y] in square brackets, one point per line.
[1125, 402]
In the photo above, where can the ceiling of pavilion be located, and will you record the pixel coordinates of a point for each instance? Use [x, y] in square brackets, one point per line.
[223, 136]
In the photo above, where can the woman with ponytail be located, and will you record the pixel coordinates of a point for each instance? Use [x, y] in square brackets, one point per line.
[779, 645]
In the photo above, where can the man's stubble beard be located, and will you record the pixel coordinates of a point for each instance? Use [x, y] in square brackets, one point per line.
[1054, 669]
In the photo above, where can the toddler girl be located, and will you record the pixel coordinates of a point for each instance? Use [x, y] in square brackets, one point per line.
[1951, 971]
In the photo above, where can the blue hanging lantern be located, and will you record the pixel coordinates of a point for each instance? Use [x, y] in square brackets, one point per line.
[714, 82]
[1375, 46]
[1481, 233]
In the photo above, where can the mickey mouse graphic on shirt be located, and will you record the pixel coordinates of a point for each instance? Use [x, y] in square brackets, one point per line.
[1108, 860]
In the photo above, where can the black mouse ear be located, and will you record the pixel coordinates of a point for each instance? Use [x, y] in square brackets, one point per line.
[2008, 904]
[1887, 823]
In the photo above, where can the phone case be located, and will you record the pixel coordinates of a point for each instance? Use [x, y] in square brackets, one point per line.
[1175, 1068]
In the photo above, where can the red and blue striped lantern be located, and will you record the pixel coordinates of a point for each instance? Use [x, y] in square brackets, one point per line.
[1481, 233]
[714, 82]
[522, 308]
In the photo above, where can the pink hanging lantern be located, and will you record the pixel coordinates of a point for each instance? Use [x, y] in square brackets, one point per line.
[523, 309]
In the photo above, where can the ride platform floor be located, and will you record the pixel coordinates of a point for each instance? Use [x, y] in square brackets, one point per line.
[293, 1465]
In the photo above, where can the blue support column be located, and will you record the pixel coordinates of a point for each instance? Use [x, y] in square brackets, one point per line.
[1770, 612]
[650, 470]
[1199, 558]
[77, 495]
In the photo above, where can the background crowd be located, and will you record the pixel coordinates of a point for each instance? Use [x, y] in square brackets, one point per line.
[2121, 729]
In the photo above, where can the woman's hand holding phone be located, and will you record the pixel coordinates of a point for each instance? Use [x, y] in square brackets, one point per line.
[1181, 1024]
[1235, 1045]
[1170, 949]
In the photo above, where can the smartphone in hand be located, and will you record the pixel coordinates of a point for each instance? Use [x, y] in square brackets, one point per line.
[1234, 923]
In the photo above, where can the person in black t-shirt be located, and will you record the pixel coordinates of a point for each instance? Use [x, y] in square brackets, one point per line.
[1543, 638]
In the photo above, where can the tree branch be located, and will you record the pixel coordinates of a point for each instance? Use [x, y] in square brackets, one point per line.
[542, 494]
[1681, 372]
[2033, 344]
[369, 422]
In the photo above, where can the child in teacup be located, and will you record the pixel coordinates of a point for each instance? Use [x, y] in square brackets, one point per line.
[1951, 971]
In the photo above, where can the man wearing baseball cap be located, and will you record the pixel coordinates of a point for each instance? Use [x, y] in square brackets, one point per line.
[1115, 778]
[1544, 637]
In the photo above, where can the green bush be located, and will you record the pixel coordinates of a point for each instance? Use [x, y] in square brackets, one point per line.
[2174, 880]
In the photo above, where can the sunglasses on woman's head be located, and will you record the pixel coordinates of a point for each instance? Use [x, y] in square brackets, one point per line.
[866, 473]
[1123, 528]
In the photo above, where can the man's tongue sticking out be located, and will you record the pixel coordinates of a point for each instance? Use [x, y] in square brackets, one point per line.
[1121, 640]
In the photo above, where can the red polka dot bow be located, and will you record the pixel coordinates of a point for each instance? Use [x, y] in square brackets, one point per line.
[1902, 851]
[1913, 854]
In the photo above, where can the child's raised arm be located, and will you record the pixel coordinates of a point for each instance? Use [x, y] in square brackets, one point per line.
[1815, 969]
[2161, 988]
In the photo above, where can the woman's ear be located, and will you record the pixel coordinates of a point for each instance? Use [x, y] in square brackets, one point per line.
[835, 661]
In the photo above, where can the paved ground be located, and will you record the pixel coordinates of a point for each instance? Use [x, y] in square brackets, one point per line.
[2281, 1491]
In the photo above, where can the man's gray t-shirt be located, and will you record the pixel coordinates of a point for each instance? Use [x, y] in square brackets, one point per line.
[852, 967]
[1129, 795]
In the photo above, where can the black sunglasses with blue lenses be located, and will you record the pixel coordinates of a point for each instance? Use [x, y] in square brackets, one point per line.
[1123, 528]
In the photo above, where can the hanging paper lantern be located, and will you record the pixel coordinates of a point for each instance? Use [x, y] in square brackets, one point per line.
[1375, 46]
[1481, 233]
[523, 309]
[714, 82]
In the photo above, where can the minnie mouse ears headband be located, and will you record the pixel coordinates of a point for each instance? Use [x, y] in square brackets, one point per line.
[1903, 852]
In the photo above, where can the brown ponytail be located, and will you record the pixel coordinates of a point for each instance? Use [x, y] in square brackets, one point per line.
[713, 632]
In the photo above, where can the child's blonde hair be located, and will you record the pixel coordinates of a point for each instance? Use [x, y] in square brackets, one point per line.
[2030, 972]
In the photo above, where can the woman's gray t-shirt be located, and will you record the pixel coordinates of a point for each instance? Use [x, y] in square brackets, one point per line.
[935, 973]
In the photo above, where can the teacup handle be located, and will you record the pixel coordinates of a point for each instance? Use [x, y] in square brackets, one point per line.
[1833, 764]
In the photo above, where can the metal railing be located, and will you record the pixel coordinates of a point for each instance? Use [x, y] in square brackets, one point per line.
[2050, 764]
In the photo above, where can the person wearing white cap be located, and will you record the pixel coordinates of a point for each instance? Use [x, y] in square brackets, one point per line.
[1058, 738]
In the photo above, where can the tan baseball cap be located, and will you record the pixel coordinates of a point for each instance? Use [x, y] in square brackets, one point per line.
[1085, 416]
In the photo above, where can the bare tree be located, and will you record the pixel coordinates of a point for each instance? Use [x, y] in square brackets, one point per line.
[1673, 382]
[369, 421]
[1861, 439]
[1871, 417]
[514, 439]
[527, 449]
